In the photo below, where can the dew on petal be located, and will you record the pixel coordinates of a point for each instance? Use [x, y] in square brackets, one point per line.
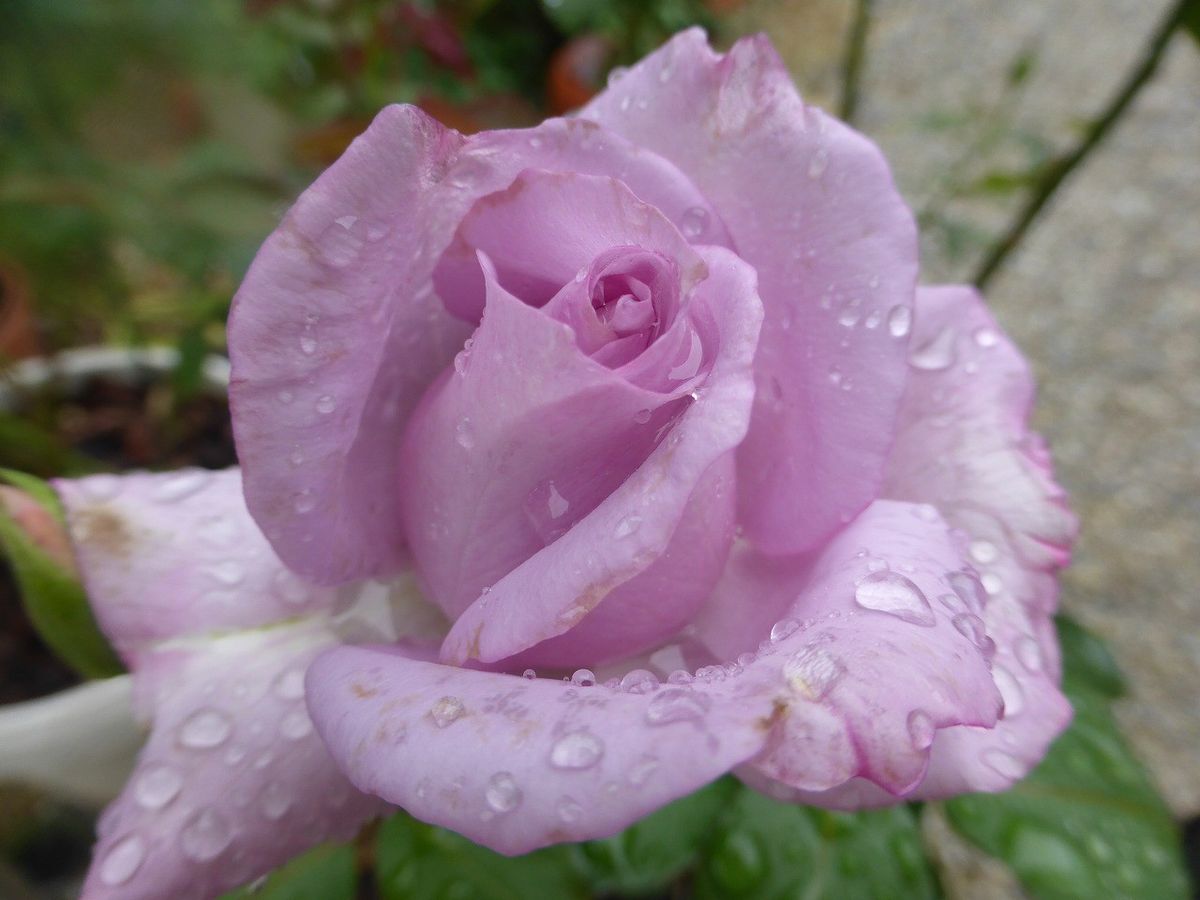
[899, 321]
[694, 222]
[156, 786]
[1010, 691]
[583, 678]
[983, 552]
[205, 836]
[639, 681]
[446, 711]
[677, 704]
[569, 809]
[464, 434]
[204, 729]
[921, 729]
[890, 592]
[529, 674]
[326, 404]
[295, 725]
[812, 671]
[627, 526]
[969, 589]
[643, 769]
[782, 629]
[122, 861]
[274, 801]
[576, 750]
[985, 337]
[502, 793]
[972, 628]
[1028, 654]
[289, 685]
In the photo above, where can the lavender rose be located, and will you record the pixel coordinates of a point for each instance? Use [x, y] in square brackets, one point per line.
[584, 464]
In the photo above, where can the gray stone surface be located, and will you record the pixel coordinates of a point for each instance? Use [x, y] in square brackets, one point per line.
[1103, 296]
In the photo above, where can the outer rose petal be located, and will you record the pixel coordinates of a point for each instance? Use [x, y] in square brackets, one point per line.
[632, 527]
[336, 332]
[169, 555]
[517, 764]
[964, 446]
[233, 780]
[811, 205]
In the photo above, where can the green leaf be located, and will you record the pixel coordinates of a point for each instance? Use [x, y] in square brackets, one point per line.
[1087, 822]
[421, 862]
[645, 857]
[1087, 664]
[1191, 19]
[766, 849]
[54, 599]
[323, 873]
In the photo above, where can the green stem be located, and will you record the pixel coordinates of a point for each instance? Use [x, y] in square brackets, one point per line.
[1057, 169]
[852, 63]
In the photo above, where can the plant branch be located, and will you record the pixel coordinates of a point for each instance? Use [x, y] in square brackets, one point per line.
[852, 62]
[1057, 169]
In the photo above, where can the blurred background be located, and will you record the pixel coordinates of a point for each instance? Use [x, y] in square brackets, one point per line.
[1051, 149]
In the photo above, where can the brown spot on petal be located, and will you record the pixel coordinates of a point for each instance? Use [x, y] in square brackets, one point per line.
[362, 692]
[103, 529]
[779, 711]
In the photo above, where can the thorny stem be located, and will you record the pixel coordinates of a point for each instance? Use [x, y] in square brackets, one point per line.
[852, 63]
[1057, 169]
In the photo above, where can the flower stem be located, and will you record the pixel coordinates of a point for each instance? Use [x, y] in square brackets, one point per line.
[852, 63]
[1057, 169]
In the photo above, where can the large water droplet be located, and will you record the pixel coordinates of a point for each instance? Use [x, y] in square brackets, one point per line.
[694, 222]
[983, 552]
[547, 511]
[639, 681]
[921, 729]
[1028, 654]
[899, 321]
[1010, 691]
[447, 711]
[892, 593]
[502, 793]
[627, 526]
[583, 678]
[156, 786]
[204, 729]
[937, 353]
[969, 589]
[985, 337]
[275, 801]
[122, 861]
[677, 704]
[576, 750]
[325, 404]
[972, 628]
[782, 629]
[812, 671]
[205, 836]
[464, 434]
[308, 344]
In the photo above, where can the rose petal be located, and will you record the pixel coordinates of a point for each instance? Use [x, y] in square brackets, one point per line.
[334, 334]
[175, 554]
[811, 205]
[233, 779]
[517, 764]
[876, 662]
[637, 513]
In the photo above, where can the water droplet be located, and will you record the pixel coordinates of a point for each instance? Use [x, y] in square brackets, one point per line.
[992, 583]
[547, 509]
[583, 678]
[639, 681]
[205, 836]
[156, 786]
[502, 793]
[921, 729]
[892, 593]
[971, 627]
[627, 526]
[694, 222]
[1010, 691]
[205, 728]
[530, 674]
[783, 628]
[1028, 654]
[935, 354]
[122, 861]
[176, 487]
[624, 104]
[985, 337]
[576, 750]
[677, 704]
[876, 564]
[874, 317]
[447, 711]
[616, 73]
[228, 572]
[983, 552]
[642, 416]
[325, 404]
[275, 801]
[680, 676]
[295, 725]
[304, 501]
[848, 317]
[645, 767]
[289, 588]
[812, 671]
[463, 434]
[969, 590]
[899, 321]
[308, 344]
[289, 685]
[346, 222]
[818, 163]
[569, 809]
[1004, 763]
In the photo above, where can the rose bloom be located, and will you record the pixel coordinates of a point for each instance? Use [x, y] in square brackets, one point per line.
[582, 465]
